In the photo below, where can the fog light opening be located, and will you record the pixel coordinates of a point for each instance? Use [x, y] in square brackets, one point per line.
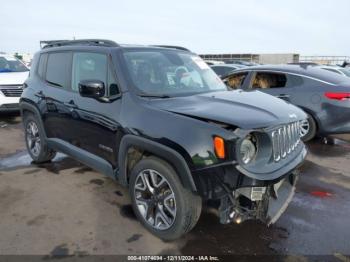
[235, 217]
[238, 220]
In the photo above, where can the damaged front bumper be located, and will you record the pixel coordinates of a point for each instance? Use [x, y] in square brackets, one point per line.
[266, 204]
[240, 196]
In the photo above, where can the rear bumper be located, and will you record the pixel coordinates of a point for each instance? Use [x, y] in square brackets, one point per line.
[334, 118]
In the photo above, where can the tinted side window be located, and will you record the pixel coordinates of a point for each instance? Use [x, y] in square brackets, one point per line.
[58, 69]
[269, 80]
[89, 66]
[236, 81]
[41, 66]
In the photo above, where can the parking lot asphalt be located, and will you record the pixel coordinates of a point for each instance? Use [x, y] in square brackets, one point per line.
[64, 207]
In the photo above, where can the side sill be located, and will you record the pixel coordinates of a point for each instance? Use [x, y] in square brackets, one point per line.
[91, 160]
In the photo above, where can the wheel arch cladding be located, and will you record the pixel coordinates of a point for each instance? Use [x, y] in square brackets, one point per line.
[26, 108]
[167, 154]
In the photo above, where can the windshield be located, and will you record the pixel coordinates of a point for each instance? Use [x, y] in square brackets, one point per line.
[10, 64]
[168, 72]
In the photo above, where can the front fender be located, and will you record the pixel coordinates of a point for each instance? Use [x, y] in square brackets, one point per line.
[159, 150]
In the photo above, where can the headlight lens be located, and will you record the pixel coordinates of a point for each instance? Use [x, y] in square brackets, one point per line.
[247, 150]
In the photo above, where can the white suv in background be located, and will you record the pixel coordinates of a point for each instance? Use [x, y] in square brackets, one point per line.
[13, 73]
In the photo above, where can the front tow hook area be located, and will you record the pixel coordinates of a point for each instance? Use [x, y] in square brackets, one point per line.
[266, 204]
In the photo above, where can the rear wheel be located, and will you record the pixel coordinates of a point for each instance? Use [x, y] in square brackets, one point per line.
[308, 128]
[160, 202]
[35, 141]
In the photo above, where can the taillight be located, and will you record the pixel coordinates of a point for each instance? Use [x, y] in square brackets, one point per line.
[338, 96]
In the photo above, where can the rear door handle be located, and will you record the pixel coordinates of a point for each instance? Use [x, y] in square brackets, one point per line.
[283, 96]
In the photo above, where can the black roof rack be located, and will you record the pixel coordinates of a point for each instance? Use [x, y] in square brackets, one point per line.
[57, 43]
[173, 47]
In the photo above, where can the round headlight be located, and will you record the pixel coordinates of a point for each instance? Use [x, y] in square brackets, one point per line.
[247, 151]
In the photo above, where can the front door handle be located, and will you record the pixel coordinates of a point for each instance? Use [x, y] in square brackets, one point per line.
[71, 104]
[283, 96]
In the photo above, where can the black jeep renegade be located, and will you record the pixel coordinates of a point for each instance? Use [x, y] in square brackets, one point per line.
[158, 120]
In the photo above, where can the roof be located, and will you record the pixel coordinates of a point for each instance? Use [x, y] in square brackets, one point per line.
[328, 66]
[100, 43]
[306, 70]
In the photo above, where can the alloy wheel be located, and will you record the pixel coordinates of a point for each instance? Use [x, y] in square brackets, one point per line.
[304, 127]
[33, 138]
[155, 199]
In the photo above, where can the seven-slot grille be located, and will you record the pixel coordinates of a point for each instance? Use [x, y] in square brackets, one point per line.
[12, 90]
[285, 140]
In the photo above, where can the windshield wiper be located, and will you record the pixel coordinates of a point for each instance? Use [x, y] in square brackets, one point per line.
[154, 95]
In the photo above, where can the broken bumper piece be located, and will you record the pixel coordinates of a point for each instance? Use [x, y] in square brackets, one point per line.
[266, 204]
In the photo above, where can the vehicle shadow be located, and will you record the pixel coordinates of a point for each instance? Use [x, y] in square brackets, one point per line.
[10, 119]
[251, 237]
[336, 148]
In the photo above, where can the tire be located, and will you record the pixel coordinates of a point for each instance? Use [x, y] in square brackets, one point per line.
[312, 129]
[185, 206]
[35, 140]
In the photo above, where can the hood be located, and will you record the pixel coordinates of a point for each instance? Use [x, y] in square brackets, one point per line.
[13, 78]
[247, 110]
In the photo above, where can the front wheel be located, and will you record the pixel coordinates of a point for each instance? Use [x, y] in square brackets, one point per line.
[160, 202]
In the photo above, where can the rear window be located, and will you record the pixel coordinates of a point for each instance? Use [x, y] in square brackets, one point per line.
[346, 72]
[41, 66]
[332, 70]
[325, 75]
[58, 69]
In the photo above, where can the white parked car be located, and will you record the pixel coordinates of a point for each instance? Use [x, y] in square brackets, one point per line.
[13, 73]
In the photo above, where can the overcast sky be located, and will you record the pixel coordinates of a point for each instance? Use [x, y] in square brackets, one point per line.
[308, 27]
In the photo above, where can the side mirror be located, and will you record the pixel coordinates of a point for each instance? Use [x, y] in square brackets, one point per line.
[92, 88]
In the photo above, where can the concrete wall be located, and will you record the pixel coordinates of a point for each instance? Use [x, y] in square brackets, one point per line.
[258, 58]
[278, 58]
